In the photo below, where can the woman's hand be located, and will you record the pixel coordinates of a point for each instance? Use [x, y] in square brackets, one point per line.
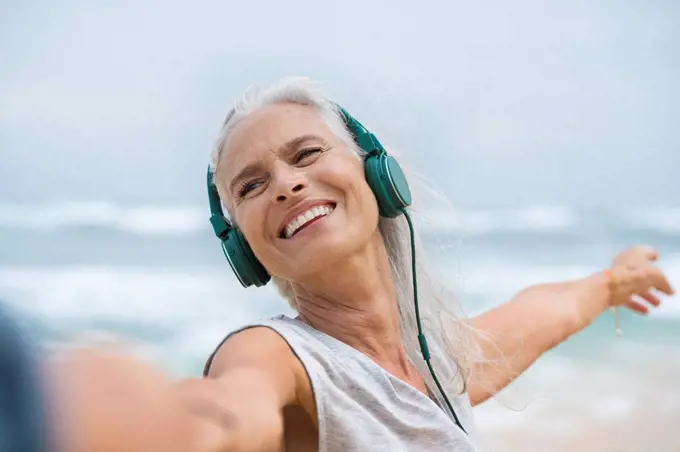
[634, 279]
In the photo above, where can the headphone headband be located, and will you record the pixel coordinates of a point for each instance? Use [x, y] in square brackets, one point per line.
[365, 139]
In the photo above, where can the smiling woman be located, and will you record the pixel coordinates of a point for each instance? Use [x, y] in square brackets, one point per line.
[294, 172]
[317, 205]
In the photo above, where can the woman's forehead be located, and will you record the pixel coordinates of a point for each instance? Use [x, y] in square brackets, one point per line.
[277, 122]
[271, 127]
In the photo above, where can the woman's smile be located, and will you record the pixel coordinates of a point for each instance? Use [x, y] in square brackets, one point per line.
[305, 216]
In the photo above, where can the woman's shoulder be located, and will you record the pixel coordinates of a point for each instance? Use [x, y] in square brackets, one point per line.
[251, 344]
[262, 346]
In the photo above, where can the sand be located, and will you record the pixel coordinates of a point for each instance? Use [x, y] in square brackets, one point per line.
[596, 408]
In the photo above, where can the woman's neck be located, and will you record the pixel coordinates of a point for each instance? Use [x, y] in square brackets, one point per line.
[356, 303]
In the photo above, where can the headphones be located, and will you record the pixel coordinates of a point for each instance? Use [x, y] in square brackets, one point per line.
[383, 175]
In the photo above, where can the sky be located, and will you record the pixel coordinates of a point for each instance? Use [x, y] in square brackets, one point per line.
[495, 103]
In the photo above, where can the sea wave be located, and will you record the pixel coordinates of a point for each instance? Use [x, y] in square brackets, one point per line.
[534, 218]
[130, 293]
[192, 219]
[664, 220]
[175, 315]
[140, 219]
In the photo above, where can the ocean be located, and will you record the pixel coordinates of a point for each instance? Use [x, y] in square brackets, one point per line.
[154, 277]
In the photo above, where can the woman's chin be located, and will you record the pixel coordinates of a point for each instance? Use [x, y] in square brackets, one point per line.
[315, 257]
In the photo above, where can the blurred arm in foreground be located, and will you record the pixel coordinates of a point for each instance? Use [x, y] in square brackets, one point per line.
[101, 400]
[540, 317]
[107, 402]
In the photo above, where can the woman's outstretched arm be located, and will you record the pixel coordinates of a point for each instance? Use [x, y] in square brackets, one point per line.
[253, 376]
[111, 402]
[517, 333]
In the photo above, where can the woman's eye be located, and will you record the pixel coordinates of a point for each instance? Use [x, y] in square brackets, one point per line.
[247, 187]
[306, 154]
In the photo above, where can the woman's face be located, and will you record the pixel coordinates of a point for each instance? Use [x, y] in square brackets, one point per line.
[296, 191]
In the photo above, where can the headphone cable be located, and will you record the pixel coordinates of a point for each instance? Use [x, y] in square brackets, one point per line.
[421, 336]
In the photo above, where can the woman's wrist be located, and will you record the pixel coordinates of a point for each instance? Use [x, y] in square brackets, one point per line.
[594, 297]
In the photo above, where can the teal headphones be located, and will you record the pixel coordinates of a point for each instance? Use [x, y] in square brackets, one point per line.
[392, 193]
[383, 174]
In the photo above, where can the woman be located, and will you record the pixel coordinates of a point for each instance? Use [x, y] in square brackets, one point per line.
[347, 373]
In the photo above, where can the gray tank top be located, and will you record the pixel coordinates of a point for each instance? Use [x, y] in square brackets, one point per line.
[361, 406]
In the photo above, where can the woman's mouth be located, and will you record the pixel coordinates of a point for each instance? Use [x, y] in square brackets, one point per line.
[306, 218]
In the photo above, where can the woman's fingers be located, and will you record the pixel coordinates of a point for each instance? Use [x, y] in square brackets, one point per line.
[637, 306]
[636, 254]
[658, 280]
[650, 298]
[650, 253]
[642, 281]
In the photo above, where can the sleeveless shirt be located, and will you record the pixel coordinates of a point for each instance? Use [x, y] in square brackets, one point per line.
[360, 406]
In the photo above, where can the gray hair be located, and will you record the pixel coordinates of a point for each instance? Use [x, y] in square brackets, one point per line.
[447, 332]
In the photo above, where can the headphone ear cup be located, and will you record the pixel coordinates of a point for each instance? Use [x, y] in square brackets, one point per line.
[389, 185]
[248, 269]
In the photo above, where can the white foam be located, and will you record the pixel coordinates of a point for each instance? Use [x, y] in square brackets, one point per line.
[174, 317]
[665, 220]
[496, 277]
[186, 219]
[171, 297]
[533, 218]
[141, 219]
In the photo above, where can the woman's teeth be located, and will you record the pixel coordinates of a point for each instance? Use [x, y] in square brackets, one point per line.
[304, 218]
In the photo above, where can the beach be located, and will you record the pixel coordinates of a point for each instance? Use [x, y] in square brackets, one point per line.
[606, 406]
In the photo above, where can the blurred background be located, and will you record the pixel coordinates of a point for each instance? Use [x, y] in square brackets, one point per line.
[550, 128]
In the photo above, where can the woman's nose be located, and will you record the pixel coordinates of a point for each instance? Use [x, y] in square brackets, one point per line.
[290, 184]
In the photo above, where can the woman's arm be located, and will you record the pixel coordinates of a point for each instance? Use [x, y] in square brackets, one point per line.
[111, 402]
[252, 378]
[515, 334]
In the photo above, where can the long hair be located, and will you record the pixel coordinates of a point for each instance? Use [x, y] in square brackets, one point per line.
[448, 333]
